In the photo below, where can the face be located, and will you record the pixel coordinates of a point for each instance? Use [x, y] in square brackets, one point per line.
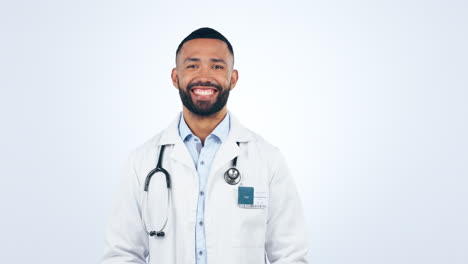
[204, 75]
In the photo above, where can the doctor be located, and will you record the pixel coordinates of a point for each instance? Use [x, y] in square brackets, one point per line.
[220, 194]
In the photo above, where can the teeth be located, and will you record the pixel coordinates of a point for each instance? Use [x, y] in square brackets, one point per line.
[203, 91]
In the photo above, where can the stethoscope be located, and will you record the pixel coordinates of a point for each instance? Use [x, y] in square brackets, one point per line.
[232, 176]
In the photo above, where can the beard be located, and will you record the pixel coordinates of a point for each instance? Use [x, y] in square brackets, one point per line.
[203, 107]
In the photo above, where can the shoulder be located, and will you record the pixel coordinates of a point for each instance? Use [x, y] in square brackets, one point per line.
[253, 139]
[145, 152]
[266, 150]
[262, 144]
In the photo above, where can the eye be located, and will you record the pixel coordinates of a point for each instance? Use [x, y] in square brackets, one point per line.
[191, 66]
[218, 67]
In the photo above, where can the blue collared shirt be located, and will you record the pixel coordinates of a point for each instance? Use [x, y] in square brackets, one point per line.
[203, 157]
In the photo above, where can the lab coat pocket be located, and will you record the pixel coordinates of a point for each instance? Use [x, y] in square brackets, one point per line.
[249, 226]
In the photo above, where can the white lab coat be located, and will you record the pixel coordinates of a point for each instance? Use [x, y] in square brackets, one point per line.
[233, 234]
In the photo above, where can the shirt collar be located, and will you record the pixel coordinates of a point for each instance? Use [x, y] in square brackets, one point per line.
[221, 131]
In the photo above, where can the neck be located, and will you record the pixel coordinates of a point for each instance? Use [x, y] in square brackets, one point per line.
[202, 126]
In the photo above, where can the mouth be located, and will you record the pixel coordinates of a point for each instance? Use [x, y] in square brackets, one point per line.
[203, 93]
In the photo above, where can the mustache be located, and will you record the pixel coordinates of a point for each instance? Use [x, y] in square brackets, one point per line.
[218, 87]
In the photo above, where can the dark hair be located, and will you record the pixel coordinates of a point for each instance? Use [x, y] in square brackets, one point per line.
[207, 33]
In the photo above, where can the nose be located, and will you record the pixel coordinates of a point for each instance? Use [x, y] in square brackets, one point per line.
[203, 75]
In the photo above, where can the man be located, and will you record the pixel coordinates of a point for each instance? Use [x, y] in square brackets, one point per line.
[220, 193]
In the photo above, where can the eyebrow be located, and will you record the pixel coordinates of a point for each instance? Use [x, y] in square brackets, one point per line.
[198, 60]
[218, 60]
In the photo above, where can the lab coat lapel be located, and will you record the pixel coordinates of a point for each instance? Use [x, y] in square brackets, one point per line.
[182, 155]
[229, 149]
[226, 152]
[171, 136]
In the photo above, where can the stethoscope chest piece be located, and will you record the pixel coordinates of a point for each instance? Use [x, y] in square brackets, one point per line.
[232, 176]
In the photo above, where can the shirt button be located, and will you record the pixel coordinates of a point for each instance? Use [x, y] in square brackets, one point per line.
[202, 193]
[200, 223]
[200, 252]
[202, 162]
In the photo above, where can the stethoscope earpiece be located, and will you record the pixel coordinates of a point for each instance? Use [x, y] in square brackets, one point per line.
[158, 234]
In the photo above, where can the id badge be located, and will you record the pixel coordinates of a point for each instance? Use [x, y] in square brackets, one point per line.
[248, 197]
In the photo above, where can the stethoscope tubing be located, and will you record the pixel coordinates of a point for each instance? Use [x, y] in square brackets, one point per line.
[158, 168]
[144, 213]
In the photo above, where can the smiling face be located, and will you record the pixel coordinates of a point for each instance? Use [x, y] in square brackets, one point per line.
[204, 75]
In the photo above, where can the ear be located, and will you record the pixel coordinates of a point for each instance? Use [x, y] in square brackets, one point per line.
[175, 80]
[234, 78]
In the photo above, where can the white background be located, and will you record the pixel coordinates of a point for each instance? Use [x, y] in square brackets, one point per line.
[366, 99]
